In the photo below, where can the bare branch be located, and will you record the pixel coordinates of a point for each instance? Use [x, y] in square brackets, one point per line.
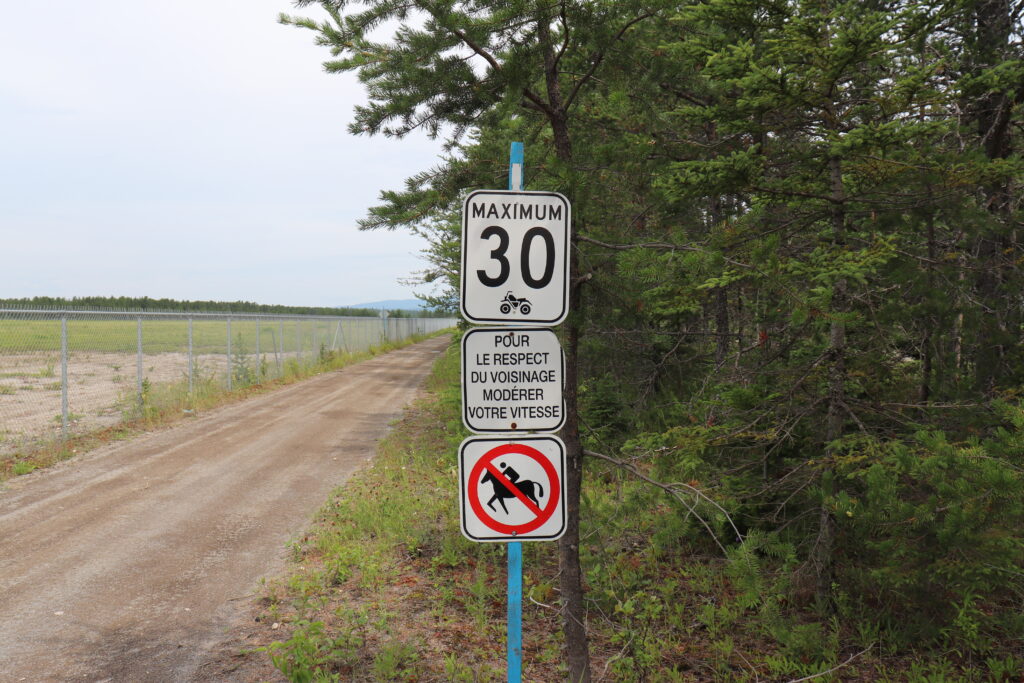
[675, 489]
[835, 668]
[565, 37]
[538, 103]
[668, 246]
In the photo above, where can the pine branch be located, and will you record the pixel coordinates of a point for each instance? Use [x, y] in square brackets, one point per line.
[599, 57]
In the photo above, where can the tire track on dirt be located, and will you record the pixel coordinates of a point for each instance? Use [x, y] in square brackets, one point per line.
[123, 564]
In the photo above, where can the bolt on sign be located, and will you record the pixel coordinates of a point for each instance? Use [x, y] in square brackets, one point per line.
[512, 380]
[515, 257]
[511, 490]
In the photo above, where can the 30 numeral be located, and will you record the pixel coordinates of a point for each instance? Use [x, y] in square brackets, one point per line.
[504, 268]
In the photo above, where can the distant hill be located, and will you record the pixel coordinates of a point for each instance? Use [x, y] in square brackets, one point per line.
[392, 305]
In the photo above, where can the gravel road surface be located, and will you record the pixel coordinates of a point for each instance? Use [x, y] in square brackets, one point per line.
[132, 562]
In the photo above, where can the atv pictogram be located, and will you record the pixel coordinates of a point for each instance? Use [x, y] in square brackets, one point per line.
[510, 302]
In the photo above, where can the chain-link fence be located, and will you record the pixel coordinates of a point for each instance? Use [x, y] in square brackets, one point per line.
[67, 372]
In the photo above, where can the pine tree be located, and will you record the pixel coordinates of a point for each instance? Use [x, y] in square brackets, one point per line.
[451, 66]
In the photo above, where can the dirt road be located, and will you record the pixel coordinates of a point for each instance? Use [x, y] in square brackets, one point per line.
[129, 564]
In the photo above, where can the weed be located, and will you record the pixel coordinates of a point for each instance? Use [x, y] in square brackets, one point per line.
[481, 592]
[940, 671]
[48, 370]
[242, 372]
[458, 671]
[965, 634]
[1004, 669]
[6, 390]
[22, 467]
[311, 655]
[395, 662]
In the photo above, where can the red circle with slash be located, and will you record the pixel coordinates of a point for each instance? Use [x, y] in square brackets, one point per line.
[486, 463]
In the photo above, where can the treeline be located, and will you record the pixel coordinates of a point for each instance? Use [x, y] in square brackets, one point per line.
[797, 307]
[125, 303]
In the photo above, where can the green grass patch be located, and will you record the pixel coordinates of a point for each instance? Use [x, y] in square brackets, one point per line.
[22, 467]
[167, 336]
[385, 588]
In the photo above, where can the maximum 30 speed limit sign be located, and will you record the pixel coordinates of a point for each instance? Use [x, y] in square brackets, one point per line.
[515, 257]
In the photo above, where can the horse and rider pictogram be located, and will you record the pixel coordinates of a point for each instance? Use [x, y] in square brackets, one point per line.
[506, 489]
[512, 490]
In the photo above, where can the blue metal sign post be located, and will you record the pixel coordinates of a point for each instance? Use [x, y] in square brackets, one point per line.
[515, 612]
[515, 548]
[537, 226]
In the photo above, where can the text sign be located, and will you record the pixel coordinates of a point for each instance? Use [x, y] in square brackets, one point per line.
[515, 266]
[512, 380]
[512, 490]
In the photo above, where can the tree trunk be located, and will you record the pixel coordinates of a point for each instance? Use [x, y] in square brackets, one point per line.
[571, 573]
[721, 325]
[991, 112]
[836, 389]
[570, 570]
[925, 392]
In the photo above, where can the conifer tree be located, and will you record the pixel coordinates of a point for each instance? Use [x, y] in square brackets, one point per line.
[797, 225]
[452, 65]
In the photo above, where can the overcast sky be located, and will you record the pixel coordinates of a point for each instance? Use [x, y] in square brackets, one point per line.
[192, 149]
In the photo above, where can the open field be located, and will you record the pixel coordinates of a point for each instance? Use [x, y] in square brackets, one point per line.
[208, 336]
[116, 363]
[102, 388]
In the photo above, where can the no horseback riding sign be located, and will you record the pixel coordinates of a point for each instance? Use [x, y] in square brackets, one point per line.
[511, 489]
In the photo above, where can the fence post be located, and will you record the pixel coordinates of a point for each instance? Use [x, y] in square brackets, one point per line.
[337, 331]
[138, 359]
[298, 341]
[280, 336]
[259, 363]
[64, 377]
[316, 347]
[229, 353]
[190, 365]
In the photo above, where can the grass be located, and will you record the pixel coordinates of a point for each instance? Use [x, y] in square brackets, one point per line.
[48, 370]
[165, 336]
[165, 404]
[384, 586]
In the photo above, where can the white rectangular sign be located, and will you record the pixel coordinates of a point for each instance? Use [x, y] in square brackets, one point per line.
[512, 488]
[512, 380]
[515, 257]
